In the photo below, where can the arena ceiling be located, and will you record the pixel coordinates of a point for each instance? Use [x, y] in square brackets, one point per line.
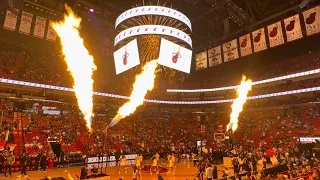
[213, 19]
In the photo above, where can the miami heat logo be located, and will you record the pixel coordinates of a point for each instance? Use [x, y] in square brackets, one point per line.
[125, 57]
[176, 56]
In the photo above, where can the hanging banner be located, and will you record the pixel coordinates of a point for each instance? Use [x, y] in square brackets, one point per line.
[259, 40]
[293, 28]
[25, 23]
[215, 56]
[10, 22]
[40, 27]
[245, 45]
[275, 34]
[230, 50]
[312, 20]
[201, 61]
[51, 34]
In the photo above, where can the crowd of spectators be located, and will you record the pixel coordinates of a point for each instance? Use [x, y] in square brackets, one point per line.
[260, 131]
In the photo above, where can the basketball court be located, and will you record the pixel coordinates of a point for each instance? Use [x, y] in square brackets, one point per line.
[182, 173]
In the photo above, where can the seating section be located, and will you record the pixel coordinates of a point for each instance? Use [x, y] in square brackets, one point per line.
[21, 64]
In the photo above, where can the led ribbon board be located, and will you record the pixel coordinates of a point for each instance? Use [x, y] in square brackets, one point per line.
[306, 73]
[22, 83]
[153, 29]
[153, 10]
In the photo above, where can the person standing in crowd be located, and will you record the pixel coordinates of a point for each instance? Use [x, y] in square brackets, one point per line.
[117, 156]
[23, 163]
[202, 168]
[209, 173]
[84, 172]
[1, 161]
[215, 172]
[193, 157]
[44, 162]
[135, 173]
[61, 159]
[9, 161]
[235, 164]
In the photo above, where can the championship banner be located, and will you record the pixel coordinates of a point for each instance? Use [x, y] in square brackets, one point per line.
[201, 61]
[215, 56]
[245, 45]
[293, 28]
[51, 34]
[312, 20]
[275, 34]
[25, 23]
[40, 27]
[10, 21]
[259, 40]
[230, 50]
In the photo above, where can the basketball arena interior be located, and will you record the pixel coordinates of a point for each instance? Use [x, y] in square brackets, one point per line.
[159, 89]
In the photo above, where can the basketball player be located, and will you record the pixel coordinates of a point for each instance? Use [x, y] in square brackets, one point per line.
[123, 163]
[170, 165]
[139, 161]
[173, 158]
[154, 165]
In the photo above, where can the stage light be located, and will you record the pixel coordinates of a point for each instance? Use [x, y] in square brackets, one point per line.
[91, 10]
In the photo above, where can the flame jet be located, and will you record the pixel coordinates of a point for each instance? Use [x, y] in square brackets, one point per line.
[80, 62]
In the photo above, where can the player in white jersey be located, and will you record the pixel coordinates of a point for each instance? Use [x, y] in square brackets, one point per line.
[123, 163]
[171, 166]
[139, 161]
[173, 158]
[154, 165]
[136, 173]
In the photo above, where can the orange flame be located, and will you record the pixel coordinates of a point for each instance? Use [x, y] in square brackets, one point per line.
[238, 103]
[80, 62]
[144, 83]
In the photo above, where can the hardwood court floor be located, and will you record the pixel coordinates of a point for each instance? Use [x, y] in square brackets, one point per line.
[182, 172]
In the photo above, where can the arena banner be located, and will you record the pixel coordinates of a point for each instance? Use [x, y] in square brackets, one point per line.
[201, 60]
[259, 40]
[127, 57]
[275, 34]
[10, 22]
[174, 56]
[40, 27]
[293, 28]
[230, 50]
[51, 33]
[25, 23]
[215, 56]
[245, 45]
[312, 20]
